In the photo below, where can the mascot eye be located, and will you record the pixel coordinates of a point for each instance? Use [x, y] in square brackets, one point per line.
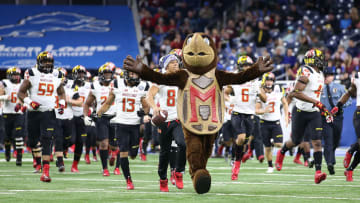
[206, 40]
[189, 40]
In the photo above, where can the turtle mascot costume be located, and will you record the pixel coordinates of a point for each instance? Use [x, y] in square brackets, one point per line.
[200, 101]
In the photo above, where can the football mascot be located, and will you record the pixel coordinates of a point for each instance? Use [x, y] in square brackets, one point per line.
[200, 98]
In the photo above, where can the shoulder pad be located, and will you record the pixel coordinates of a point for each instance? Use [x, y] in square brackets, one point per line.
[31, 72]
[92, 86]
[147, 87]
[115, 83]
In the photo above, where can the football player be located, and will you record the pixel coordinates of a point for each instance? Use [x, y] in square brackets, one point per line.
[80, 89]
[12, 114]
[105, 132]
[128, 95]
[38, 92]
[171, 128]
[354, 91]
[242, 117]
[270, 116]
[308, 110]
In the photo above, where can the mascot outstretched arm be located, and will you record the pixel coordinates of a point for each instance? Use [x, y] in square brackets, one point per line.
[200, 101]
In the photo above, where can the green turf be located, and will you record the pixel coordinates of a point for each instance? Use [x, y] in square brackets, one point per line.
[294, 183]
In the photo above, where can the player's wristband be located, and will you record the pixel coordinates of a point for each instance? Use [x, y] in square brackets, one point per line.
[27, 100]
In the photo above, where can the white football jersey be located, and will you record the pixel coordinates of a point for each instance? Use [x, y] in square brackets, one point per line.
[246, 95]
[43, 88]
[68, 113]
[356, 82]
[228, 110]
[11, 89]
[128, 101]
[313, 88]
[273, 99]
[101, 94]
[167, 99]
[83, 93]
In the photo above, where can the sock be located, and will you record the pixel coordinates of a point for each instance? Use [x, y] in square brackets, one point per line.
[117, 160]
[94, 151]
[45, 162]
[77, 157]
[60, 160]
[7, 149]
[239, 152]
[103, 157]
[318, 160]
[124, 162]
[284, 149]
[38, 160]
[270, 164]
[19, 154]
[354, 148]
[355, 162]
[87, 150]
[307, 156]
[233, 152]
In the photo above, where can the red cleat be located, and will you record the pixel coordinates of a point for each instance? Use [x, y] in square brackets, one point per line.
[164, 185]
[306, 163]
[348, 175]
[297, 159]
[106, 172]
[129, 184]
[74, 167]
[172, 177]
[279, 160]
[347, 159]
[34, 163]
[37, 169]
[220, 150]
[235, 170]
[117, 171]
[87, 159]
[142, 157]
[51, 157]
[319, 176]
[261, 158]
[14, 154]
[45, 177]
[179, 180]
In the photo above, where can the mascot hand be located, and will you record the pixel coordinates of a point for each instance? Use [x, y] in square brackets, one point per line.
[133, 65]
[263, 65]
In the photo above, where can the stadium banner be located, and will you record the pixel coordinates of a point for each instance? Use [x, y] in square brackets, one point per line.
[75, 35]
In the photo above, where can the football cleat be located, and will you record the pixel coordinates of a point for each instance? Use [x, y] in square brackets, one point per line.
[45, 177]
[235, 170]
[319, 177]
[348, 175]
[117, 171]
[270, 170]
[51, 158]
[164, 185]
[311, 163]
[37, 168]
[94, 158]
[279, 160]
[331, 169]
[172, 177]
[142, 157]
[14, 154]
[179, 180]
[61, 168]
[74, 167]
[18, 162]
[129, 184]
[106, 172]
[347, 159]
[87, 159]
[34, 163]
[297, 159]
[261, 158]
[246, 157]
[306, 163]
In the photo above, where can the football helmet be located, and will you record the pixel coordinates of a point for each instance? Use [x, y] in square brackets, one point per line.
[268, 76]
[132, 81]
[79, 73]
[13, 74]
[315, 58]
[45, 62]
[106, 68]
[244, 61]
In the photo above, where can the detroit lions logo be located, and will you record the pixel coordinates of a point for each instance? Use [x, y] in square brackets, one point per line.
[37, 25]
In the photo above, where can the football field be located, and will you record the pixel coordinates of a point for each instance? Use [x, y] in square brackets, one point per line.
[294, 183]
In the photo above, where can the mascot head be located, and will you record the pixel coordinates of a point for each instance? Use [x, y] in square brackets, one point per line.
[199, 53]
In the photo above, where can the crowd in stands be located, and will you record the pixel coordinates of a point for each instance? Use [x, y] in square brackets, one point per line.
[282, 29]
